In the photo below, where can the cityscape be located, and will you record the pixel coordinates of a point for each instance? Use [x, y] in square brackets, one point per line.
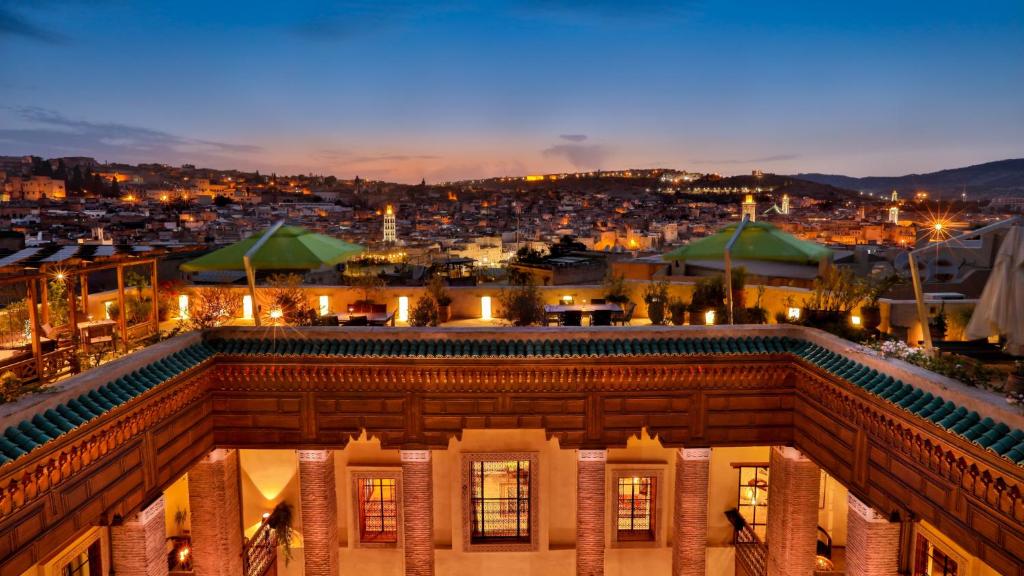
[543, 288]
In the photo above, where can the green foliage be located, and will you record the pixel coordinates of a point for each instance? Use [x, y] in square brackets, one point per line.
[288, 297]
[523, 304]
[677, 308]
[57, 301]
[708, 293]
[10, 386]
[837, 291]
[656, 298]
[212, 306]
[424, 313]
[615, 289]
[439, 292]
[280, 521]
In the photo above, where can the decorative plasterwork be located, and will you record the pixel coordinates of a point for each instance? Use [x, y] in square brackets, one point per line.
[414, 455]
[864, 511]
[695, 453]
[592, 455]
[312, 455]
[467, 506]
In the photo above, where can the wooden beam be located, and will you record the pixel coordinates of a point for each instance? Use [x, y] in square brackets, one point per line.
[33, 319]
[122, 317]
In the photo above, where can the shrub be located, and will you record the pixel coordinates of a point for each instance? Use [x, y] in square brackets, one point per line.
[615, 289]
[10, 386]
[288, 297]
[523, 304]
[211, 306]
[424, 313]
[656, 298]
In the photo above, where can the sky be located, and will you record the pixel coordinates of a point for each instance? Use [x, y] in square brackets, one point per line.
[453, 89]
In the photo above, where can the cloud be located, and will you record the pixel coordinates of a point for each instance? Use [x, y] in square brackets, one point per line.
[581, 156]
[573, 137]
[762, 160]
[13, 24]
[53, 132]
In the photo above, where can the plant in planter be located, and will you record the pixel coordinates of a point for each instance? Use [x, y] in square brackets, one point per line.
[615, 289]
[442, 299]
[523, 304]
[708, 294]
[937, 325]
[180, 517]
[871, 315]
[656, 298]
[677, 308]
[835, 294]
[424, 313]
[280, 521]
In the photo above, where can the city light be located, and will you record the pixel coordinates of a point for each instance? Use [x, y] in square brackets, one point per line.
[485, 307]
[403, 308]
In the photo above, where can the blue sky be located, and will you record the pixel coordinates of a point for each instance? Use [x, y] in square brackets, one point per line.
[457, 89]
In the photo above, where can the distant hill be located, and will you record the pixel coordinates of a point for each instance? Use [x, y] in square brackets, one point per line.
[792, 185]
[1002, 178]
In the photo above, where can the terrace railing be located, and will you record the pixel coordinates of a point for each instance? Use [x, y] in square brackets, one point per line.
[259, 553]
[751, 553]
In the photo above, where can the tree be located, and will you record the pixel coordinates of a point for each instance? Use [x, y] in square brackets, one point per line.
[566, 245]
[288, 303]
[221, 201]
[523, 304]
[212, 306]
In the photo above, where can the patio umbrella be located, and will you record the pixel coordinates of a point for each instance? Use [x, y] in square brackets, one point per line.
[279, 247]
[757, 241]
[287, 248]
[999, 308]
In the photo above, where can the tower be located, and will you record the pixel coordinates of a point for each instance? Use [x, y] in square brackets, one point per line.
[895, 196]
[390, 234]
[749, 208]
[785, 204]
[894, 214]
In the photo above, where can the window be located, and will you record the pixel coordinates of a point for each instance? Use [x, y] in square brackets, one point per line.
[78, 566]
[378, 510]
[753, 496]
[929, 560]
[500, 500]
[635, 506]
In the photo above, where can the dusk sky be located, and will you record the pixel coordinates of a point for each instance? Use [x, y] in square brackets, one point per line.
[456, 89]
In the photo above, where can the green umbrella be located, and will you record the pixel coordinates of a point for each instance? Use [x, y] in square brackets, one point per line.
[757, 241]
[287, 248]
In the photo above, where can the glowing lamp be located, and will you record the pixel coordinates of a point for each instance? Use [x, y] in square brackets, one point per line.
[325, 305]
[403, 308]
[106, 308]
[485, 307]
[793, 313]
[709, 318]
[276, 314]
[60, 276]
[183, 306]
[247, 307]
[856, 321]
[567, 300]
[266, 516]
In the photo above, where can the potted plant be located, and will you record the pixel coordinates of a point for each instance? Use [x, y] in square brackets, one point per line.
[522, 304]
[708, 294]
[615, 289]
[656, 298]
[937, 325]
[280, 521]
[870, 314]
[424, 313]
[180, 516]
[677, 308]
[439, 293]
[836, 292]
[1015, 381]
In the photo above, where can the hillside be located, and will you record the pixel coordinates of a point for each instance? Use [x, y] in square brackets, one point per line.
[1001, 178]
[792, 185]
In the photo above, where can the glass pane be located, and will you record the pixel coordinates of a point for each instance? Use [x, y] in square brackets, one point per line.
[501, 499]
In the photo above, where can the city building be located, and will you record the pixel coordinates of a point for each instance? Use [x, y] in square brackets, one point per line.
[749, 208]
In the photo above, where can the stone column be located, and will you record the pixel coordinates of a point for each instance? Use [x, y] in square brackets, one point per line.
[138, 543]
[418, 512]
[872, 542]
[590, 510]
[214, 505]
[319, 510]
[689, 547]
[793, 484]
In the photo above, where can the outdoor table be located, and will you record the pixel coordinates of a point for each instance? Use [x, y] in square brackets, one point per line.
[586, 309]
[85, 328]
[372, 318]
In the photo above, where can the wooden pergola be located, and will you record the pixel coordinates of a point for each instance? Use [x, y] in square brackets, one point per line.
[46, 365]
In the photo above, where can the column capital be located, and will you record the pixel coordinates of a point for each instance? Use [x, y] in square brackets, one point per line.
[414, 455]
[864, 511]
[313, 455]
[154, 509]
[217, 455]
[790, 453]
[695, 453]
[592, 455]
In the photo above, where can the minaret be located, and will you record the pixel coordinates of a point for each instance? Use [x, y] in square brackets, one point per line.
[749, 208]
[390, 235]
[895, 197]
[894, 214]
[785, 203]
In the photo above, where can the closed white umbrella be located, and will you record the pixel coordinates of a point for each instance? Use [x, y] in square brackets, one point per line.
[1000, 309]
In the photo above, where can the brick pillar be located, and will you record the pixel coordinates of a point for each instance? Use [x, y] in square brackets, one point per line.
[872, 542]
[319, 509]
[590, 512]
[792, 535]
[418, 512]
[689, 546]
[138, 544]
[213, 503]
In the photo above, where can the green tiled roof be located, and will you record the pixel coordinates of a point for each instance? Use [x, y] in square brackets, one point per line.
[54, 422]
[984, 432]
